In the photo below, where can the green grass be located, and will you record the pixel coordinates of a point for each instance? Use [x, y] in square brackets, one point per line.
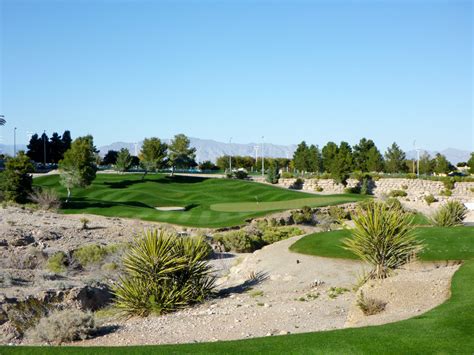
[440, 244]
[208, 202]
[447, 329]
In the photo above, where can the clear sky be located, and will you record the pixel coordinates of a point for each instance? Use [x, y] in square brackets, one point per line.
[289, 70]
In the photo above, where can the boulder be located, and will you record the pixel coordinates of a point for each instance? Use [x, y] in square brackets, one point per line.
[90, 298]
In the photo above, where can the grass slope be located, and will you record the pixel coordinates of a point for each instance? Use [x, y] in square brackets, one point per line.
[128, 196]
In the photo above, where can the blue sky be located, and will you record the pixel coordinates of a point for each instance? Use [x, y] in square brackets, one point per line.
[288, 70]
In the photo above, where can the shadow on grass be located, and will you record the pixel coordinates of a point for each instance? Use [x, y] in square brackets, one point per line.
[82, 203]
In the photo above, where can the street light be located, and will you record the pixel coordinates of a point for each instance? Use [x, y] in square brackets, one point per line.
[44, 146]
[263, 156]
[230, 156]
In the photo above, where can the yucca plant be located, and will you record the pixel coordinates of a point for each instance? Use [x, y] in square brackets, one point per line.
[450, 214]
[163, 273]
[383, 236]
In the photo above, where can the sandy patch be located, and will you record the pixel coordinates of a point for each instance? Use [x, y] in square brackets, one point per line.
[410, 292]
[171, 208]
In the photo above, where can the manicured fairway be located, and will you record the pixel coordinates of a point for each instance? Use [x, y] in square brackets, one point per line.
[447, 329]
[128, 196]
[440, 244]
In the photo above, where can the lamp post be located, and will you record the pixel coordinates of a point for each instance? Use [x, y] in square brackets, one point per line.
[263, 156]
[44, 146]
[230, 156]
[14, 141]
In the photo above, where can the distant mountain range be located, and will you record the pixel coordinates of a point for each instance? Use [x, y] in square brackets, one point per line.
[207, 149]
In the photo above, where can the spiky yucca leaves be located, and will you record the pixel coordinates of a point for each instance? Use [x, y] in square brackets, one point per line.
[163, 273]
[450, 214]
[383, 237]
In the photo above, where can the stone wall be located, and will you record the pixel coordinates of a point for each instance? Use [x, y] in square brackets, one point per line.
[416, 189]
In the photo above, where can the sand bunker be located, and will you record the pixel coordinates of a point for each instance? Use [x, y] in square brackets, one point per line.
[171, 208]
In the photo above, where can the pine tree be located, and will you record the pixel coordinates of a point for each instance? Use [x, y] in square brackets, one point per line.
[315, 163]
[395, 160]
[329, 153]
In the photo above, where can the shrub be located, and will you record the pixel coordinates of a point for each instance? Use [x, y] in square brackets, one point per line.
[338, 213]
[240, 175]
[84, 221]
[303, 216]
[239, 241]
[383, 237]
[64, 326]
[365, 186]
[287, 175]
[275, 234]
[298, 184]
[47, 199]
[16, 181]
[318, 188]
[90, 254]
[273, 174]
[57, 262]
[404, 187]
[429, 199]
[448, 184]
[398, 193]
[446, 193]
[370, 306]
[450, 214]
[394, 203]
[163, 273]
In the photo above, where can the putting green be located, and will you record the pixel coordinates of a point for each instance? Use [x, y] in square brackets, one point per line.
[320, 200]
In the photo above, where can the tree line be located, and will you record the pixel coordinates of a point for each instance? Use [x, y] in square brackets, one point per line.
[42, 149]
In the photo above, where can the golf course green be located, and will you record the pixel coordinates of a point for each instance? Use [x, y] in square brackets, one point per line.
[208, 202]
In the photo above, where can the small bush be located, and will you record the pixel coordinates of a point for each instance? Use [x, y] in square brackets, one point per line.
[84, 221]
[318, 188]
[303, 216]
[241, 175]
[398, 193]
[429, 199]
[370, 306]
[298, 184]
[450, 214]
[47, 199]
[446, 193]
[338, 213]
[64, 326]
[383, 237]
[448, 184]
[90, 254]
[404, 187]
[287, 175]
[393, 203]
[275, 234]
[57, 262]
[239, 241]
[164, 273]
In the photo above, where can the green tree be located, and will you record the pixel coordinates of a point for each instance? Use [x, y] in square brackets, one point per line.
[208, 165]
[315, 159]
[110, 158]
[123, 161]
[55, 153]
[78, 167]
[35, 148]
[273, 174]
[470, 163]
[441, 164]
[426, 164]
[301, 157]
[395, 160]
[180, 154]
[153, 155]
[17, 180]
[342, 163]
[367, 157]
[329, 153]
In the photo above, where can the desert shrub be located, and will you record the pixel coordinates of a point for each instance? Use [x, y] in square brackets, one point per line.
[287, 175]
[352, 190]
[239, 241]
[84, 222]
[370, 306]
[398, 193]
[383, 237]
[446, 192]
[64, 326]
[275, 234]
[404, 187]
[163, 273]
[17, 181]
[429, 199]
[450, 214]
[472, 189]
[338, 213]
[448, 184]
[46, 199]
[394, 203]
[90, 254]
[318, 188]
[298, 184]
[303, 216]
[57, 262]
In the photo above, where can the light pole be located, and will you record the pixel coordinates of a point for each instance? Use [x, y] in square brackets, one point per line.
[263, 156]
[230, 156]
[44, 146]
[256, 157]
[14, 141]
